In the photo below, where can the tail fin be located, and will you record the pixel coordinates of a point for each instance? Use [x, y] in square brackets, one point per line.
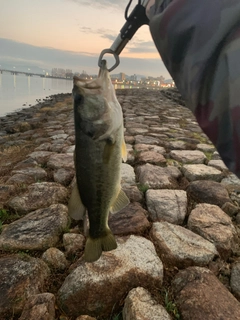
[94, 247]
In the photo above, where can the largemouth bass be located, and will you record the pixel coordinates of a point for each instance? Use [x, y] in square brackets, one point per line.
[99, 150]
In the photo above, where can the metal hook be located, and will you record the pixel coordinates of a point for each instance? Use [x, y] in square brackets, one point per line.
[117, 60]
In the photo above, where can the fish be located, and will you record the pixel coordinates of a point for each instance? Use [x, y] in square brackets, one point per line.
[99, 151]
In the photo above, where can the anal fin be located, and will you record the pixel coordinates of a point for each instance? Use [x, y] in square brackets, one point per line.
[120, 202]
[76, 209]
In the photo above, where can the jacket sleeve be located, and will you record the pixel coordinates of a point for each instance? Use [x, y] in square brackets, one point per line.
[199, 42]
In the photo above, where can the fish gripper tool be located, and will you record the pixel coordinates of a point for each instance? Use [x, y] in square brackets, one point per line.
[134, 21]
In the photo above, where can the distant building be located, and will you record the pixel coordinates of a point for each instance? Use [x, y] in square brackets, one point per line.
[54, 72]
[84, 75]
[133, 77]
[122, 76]
[169, 83]
[59, 72]
[69, 74]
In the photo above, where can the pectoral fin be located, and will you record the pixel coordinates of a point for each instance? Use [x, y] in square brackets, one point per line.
[120, 202]
[108, 149]
[124, 151]
[76, 209]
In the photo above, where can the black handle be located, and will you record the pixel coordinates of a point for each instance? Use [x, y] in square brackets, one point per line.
[136, 19]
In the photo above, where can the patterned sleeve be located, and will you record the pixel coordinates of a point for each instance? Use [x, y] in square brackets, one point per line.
[199, 42]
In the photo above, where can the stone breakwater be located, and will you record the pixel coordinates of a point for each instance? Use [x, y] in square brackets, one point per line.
[178, 239]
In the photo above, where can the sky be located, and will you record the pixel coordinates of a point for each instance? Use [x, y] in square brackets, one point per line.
[71, 34]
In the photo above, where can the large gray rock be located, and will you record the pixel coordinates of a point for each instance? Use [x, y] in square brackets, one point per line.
[139, 305]
[73, 242]
[21, 180]
[216, 156]
[230, 209]
[208, 191]
[137, 131]
[168, 205]
[133, 193]
[55, 259]
[146, 140]
[39, 306]
[201, 172]
[41, 157]
[130, 220]
[20, 278]
[200, 295]
[156, 177]
[36, 173]
[151, 157]
[231, 182]
[205, 147]
[59, 136]
[235, 279]
[63, 176]
[127, 175]
[149, 147]
[210, 222]
[188, 156]
[58, 161]
[178, 246]
[104, 283]
[38, 230]
[27, 175]
[218, 164]
[46, 146]
[177, 145]
[40, 195]
[130, 153]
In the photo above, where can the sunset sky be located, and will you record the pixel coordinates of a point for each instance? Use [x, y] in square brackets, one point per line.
[71, 34]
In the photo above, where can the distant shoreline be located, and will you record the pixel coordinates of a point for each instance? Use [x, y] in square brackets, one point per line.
[25, 113]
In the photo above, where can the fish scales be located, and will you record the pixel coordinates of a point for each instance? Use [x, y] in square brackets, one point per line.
[99, 150]
[95, 178]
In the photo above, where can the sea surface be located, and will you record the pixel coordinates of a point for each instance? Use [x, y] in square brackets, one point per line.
[21, 91]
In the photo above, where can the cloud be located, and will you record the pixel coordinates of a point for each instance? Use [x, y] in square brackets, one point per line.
[134, 46]
[109, 4]
[16, 53]
[104, 33]
[140, 47]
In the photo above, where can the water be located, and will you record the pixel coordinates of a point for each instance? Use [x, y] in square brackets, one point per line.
[20, 91]
[17, 90]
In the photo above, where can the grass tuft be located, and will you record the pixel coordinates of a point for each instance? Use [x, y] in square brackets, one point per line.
[171, 307]
[143, 187]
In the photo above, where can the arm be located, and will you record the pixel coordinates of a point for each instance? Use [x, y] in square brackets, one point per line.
[199, 42]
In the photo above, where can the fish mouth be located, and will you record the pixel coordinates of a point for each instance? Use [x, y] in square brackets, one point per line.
[103, 64]
[103, 76]
[103, 69]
